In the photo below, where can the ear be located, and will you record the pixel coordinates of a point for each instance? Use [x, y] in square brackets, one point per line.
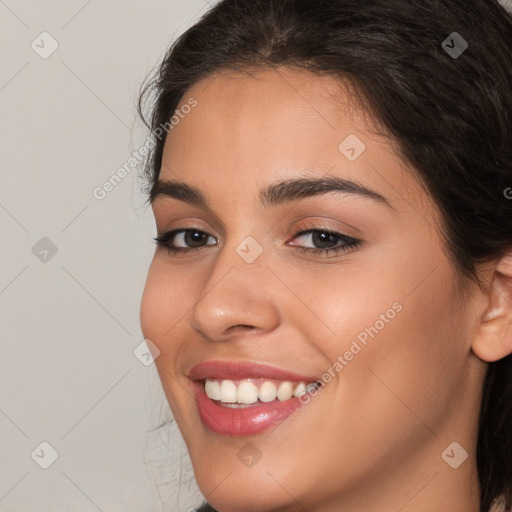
[493, 339]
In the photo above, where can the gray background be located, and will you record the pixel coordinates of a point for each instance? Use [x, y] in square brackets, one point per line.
[70, 320]
[69, 324]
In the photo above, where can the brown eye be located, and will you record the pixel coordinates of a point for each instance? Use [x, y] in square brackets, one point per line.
[183, 240]
[330, 242]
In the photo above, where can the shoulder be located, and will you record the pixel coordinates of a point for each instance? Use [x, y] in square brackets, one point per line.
[206, 507]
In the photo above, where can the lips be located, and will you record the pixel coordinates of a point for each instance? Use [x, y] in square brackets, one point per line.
[226, 416]
[237, 370]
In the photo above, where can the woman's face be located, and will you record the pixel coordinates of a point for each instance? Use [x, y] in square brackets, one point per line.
[376, 317]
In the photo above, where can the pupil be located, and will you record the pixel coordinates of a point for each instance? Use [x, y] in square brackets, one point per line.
[322, 237]
[195, 237]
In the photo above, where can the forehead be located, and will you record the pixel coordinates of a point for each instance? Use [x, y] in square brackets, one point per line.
[250, 129]
[263, 104]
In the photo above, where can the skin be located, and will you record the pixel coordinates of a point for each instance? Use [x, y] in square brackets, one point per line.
[372, 438]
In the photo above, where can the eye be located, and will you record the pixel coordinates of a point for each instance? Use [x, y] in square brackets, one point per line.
[189, 240]
[331, 242]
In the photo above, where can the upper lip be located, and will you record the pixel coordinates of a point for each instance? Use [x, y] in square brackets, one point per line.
[236, 370]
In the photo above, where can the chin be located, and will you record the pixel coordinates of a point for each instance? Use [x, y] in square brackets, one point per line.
[244, 491]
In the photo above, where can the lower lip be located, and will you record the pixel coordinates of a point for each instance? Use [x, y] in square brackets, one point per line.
[242, 421]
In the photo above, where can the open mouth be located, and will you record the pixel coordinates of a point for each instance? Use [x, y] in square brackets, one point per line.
[238, 398]
[247, 406]
[251, 392]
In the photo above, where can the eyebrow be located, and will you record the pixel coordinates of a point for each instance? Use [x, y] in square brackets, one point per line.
[274, 194]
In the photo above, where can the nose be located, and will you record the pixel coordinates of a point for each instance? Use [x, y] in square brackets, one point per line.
[236, 297]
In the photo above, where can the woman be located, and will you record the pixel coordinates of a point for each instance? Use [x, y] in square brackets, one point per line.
[331, 293]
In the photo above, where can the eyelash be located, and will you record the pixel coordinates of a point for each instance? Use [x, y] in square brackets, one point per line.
[164, 240]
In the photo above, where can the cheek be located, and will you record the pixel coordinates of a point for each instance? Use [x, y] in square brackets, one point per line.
[407, 372]
[395, 327]
[160, 312]
[152, 310]
[163, 304]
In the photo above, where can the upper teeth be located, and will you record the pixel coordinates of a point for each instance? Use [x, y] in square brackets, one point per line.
[247, 392]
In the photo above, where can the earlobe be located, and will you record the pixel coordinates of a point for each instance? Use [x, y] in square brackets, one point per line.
[493, 339]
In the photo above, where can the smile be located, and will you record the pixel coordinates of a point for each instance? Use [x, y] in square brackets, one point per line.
[238, 399]
[250, 391]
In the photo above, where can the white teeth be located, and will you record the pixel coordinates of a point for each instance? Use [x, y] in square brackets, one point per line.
[227, 391]
[284, 391]
[267, 392]
[212, 388]
[247, 392]
[299, 389]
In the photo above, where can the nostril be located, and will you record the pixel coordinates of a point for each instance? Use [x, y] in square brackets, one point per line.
[241, 327]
